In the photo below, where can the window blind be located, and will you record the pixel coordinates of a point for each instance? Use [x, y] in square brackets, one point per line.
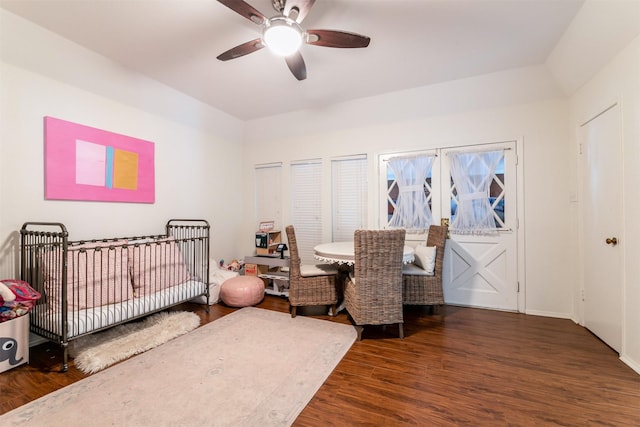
[306, 206]
[268, 194]
[349, 196]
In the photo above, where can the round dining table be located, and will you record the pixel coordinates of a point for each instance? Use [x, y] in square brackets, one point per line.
[343, 253]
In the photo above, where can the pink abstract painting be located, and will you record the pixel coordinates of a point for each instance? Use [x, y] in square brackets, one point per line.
[85, 163]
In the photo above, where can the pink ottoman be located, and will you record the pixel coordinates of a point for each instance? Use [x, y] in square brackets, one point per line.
[242, 291]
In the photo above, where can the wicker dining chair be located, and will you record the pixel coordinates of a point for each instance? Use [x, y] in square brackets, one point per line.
[373, 296]
[309, 284]
[419, 288]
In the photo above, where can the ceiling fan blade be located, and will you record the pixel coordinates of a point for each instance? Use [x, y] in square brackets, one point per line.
[241, 50]
[297, 9]
[245, 10]
[296, 65]
[331, 38]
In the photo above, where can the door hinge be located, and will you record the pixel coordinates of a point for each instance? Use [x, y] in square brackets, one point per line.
[582, 294]
[518, 291]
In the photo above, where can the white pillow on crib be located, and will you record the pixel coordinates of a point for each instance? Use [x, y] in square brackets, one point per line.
[425, 258]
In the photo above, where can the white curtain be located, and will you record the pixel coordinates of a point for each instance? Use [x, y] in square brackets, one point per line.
[472, 175]
[412, 211]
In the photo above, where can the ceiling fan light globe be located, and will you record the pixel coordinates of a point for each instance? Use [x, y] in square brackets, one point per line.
[282, 38]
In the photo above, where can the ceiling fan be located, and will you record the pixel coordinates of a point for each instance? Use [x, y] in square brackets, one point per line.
[283, 35]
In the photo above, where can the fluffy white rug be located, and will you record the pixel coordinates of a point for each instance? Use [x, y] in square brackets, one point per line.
[253, 367]
[98, 351]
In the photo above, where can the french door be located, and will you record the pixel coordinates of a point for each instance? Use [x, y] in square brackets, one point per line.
[482, 270]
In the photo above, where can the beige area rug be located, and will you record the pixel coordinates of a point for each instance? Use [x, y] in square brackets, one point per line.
[98, 351]
[253, 367]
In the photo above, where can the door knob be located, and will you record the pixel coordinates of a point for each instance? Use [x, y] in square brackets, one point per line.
[612, 241]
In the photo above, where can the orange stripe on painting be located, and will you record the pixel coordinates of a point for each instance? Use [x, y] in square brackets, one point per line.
[125, 170]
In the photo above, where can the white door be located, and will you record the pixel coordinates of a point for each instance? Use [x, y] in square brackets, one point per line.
[482, 271]
[602, 223]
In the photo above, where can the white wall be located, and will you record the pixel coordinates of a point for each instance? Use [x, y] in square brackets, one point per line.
[197, 173]
[596, 34]
[517, 104]
[620, 81]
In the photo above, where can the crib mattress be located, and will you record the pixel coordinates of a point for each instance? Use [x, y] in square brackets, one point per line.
[84, 321]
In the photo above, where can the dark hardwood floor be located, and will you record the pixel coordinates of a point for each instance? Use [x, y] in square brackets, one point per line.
[459, 366]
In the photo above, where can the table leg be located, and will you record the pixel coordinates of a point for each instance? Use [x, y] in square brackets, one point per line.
[343, 274]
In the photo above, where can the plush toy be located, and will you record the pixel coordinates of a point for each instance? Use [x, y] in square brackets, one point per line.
[6, 295]
[234, 266]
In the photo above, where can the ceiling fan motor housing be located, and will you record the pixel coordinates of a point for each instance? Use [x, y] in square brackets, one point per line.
[282, 35]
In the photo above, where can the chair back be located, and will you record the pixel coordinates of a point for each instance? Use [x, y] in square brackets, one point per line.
[437, 237]
[294, 255]
[378, 254]
[378, 276]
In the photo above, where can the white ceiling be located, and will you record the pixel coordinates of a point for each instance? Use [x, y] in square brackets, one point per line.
[413, 43]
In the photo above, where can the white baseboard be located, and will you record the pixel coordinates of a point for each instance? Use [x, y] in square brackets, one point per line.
[631, 363]
[549, 314]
